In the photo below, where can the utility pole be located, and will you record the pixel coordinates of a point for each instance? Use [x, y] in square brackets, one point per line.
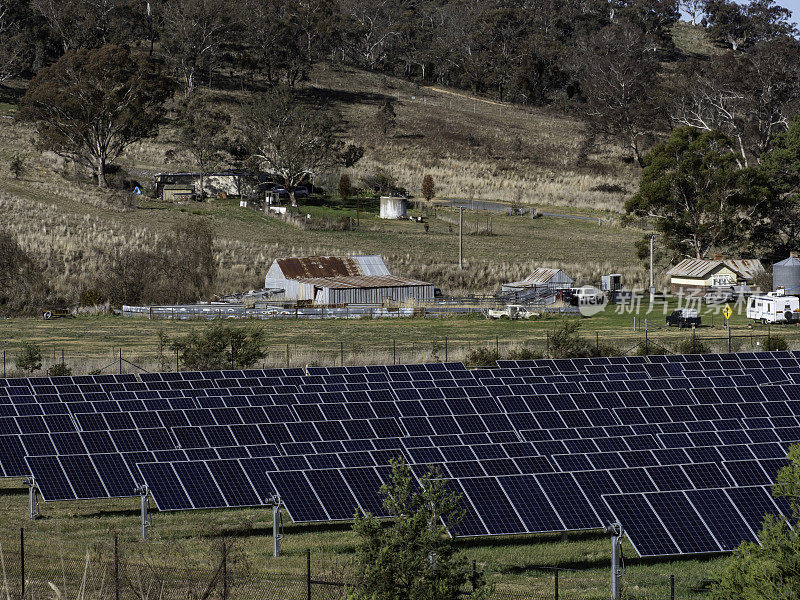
[460, 237]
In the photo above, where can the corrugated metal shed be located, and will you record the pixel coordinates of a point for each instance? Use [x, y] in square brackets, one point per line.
[343, 283]
[745, 268]
[342, 280]
[542, 277]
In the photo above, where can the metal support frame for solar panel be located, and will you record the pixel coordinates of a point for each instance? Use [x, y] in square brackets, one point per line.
[33, 503]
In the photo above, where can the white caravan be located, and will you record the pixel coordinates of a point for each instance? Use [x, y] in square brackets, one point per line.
[773, 308]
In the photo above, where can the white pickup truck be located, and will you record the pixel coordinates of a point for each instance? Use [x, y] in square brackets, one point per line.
[512, 311]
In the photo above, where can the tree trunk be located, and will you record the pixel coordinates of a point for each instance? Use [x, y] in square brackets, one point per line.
[101, 173]
[292, 198]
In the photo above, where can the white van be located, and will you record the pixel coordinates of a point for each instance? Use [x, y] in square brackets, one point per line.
[773, 308]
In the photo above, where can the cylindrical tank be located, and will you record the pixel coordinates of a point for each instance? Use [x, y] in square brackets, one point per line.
[393, 208]
[786, 275]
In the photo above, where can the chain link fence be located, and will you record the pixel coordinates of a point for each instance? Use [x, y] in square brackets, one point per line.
[38, 567]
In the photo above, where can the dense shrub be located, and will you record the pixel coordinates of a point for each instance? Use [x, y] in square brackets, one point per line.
[29, 357]
[482, 357]
[776, 343]
[692, 346]
[221, 346]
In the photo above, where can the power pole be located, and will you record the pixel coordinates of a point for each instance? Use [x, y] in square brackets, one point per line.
[460, 237]
[652, 280]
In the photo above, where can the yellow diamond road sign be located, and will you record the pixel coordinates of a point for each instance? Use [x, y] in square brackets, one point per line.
[727, 312]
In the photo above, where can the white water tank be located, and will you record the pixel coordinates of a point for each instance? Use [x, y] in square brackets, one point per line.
[786, 275]
[393, 208]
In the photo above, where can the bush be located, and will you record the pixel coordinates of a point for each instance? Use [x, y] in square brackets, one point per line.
[524, 354]
[690, 346]
[775, 343]
[29, 357]
[221, 346]
[566, 343]
[21, 278]
[59, 370]
[482, 357]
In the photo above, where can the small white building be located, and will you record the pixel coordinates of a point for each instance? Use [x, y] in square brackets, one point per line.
[326, 280]
[543, 278]
[393, 208]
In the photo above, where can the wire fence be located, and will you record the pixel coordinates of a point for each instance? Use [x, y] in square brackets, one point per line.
[38, 567]
[473, 352]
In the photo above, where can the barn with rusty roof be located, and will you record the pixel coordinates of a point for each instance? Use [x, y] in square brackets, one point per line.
[338, 280]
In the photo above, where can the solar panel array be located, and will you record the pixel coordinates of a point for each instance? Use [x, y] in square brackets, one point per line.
[532, 446]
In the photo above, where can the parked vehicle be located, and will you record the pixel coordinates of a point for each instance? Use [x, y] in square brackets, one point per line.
[718, 296]
[683, 317]
[774, 307]
[512, 311]
[585, 295]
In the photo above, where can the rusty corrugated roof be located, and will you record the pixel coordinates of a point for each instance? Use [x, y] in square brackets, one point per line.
[361, 282]
[696, 267]
[319, 266]
[541, 275]
[746, 268]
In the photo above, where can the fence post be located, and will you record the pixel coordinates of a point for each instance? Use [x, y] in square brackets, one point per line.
[4, 364]
[729, 339]
[22, 560]
[120, 360]
[308, 574]
[555, 584]
[768, 338]
[474, 577]
[287, 356]
[597, 341]
[341, 354]
[497, 346]
[694, 342]
[224, 570]
[394, 352]
[177, 361]
[445, 348]
[116, 567]
[548, 345]
[672, 587]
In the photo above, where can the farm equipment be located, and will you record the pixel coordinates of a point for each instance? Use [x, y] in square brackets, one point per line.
[56, 313]
[512, 311]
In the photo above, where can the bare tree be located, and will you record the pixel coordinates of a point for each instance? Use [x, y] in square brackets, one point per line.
[619, 75]
[693, 8]
[750, 97]
[10, 50]
[192, 34]
[290, 140]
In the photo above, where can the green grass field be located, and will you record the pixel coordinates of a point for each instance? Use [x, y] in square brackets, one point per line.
[519, 566]
[90, 342]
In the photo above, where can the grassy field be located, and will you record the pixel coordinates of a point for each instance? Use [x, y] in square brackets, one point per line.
[91, 342]
[520, 565]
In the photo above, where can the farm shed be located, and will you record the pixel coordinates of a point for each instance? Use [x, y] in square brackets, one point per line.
[342, 280]
[228, 183]
[553, 279]
[693, 275]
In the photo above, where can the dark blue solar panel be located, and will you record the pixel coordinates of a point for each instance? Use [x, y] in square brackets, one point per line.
[50, 478]
[233, 483]
[646, 532]
[82, 475]
[571, 505]
[491, 503]
[167, 490]
[365, 483]
[721, 517]
[114, 474]
[333, 493]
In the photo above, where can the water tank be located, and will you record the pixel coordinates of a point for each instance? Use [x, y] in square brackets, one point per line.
[786, 275]
[393, 208]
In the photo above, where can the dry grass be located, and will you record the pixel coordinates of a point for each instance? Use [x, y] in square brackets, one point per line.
[519, 155]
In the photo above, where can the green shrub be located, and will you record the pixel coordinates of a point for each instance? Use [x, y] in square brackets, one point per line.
[692, 346]
[29, 357]
[221, 346]
[59, 370]
[524, 354]
[776, 343]
[482, 357]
